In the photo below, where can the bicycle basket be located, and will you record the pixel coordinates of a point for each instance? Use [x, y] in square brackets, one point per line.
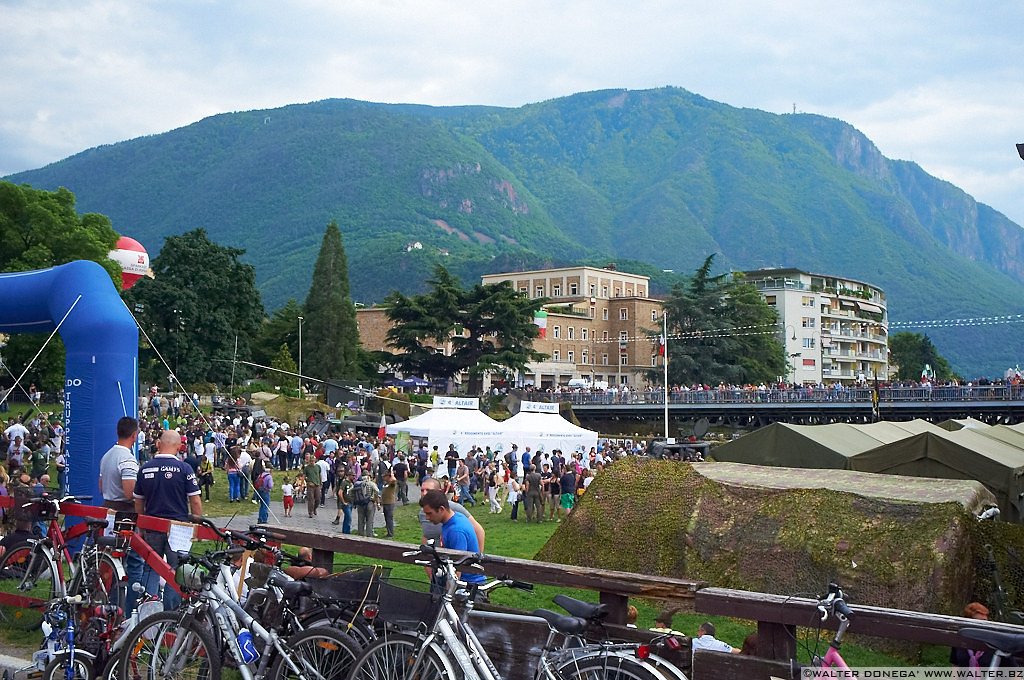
[407, 604]
[356, 585]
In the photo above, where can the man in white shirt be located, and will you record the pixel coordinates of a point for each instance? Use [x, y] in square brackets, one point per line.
[706, 640]
[16, 430]
[324, 469]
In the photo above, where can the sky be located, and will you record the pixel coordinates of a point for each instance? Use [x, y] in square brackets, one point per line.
[940, 83]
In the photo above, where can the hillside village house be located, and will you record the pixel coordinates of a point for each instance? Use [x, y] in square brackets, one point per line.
[602, 323]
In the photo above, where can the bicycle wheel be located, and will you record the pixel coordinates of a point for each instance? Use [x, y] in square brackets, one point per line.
[607, 667]
[99, 580]
[163, 646]
[25, 571]
[392, 658]
[58, 669]
[321, 654]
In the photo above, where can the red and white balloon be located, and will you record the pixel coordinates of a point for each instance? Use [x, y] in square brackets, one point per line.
[134, 261]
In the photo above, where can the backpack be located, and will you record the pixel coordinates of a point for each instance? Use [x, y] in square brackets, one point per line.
[266, 482]
[362, 494]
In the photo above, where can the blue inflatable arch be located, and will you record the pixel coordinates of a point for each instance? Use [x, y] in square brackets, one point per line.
[101, 373]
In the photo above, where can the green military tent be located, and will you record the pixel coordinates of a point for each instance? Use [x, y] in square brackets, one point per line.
[815, 446]
[963, 454]
[802, 446]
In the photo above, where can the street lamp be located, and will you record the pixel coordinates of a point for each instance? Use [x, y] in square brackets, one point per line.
[300, 357]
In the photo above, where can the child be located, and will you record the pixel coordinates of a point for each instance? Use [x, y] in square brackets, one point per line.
[300, 487]
[287, 497]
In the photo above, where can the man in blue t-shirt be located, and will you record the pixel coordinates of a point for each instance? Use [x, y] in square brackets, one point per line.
[168, 488]
[456, 531]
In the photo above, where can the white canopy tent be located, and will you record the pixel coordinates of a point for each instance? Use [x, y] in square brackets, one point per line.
[539, 426]
[453, 421]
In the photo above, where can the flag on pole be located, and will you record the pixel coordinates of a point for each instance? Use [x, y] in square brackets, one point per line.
[382, 431]
[661, 345]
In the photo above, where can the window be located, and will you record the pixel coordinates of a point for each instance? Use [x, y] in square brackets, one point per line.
[623, 379]
[654, 360]
[623, 359]
[593, 290]
[585, 357]
[571, 332]
[570, 356]
[654, 315]
[556, 291]
[524, 290]
[604, 291]
[623, 314]
[623, 336]
[807, 301]
[604, 314]
[808, 322]
[604, 335]
[556, 332]
[808, 343]
[583, 333]
[809, 363]
[769, 300]
[556, 355]
[574, 289]
[618, 292]
[640, 292]
[539, 291]
[604, 359]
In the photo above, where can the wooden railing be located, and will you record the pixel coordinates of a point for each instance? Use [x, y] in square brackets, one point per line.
[614, 587]
[778, 617]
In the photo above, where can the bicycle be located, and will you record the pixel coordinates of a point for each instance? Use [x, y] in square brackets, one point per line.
[434, 640]
[211, 624]
[43, 569]
[1005, 645]
[833, 604]
[578, 650]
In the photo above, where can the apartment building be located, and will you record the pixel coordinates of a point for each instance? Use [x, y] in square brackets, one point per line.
[834, 329]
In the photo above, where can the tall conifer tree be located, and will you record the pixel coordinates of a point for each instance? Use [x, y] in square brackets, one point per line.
[330, 337]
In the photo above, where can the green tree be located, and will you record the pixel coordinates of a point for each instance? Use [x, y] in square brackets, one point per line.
[202, 299]
[281, 328]
[332, 337]
[720, 330]
[285, 365]
[41, 229]
[489, 327]
[911, 351]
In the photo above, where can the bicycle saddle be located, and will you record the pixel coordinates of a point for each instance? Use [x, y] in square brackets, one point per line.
[108, 541]
[567, 625]
[584, 610]
[1009, 643]
[291, 589]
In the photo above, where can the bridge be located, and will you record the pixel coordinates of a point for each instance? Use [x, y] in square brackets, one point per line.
[739, 407]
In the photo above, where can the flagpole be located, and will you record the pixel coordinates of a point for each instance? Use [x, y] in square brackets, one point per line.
[664, 363]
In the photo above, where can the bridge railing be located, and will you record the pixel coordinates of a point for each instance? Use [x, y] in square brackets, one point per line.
[999, 393]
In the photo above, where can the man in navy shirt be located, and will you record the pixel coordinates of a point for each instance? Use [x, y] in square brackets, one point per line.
[456, 531]
[166, 487]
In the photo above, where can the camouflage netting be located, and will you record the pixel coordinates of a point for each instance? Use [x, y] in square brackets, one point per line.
[999, 565]
[773, 530]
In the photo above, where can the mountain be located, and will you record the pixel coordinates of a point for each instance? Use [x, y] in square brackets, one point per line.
[660, 177]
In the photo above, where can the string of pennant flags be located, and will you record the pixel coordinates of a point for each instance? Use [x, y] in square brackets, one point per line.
[774, 329]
